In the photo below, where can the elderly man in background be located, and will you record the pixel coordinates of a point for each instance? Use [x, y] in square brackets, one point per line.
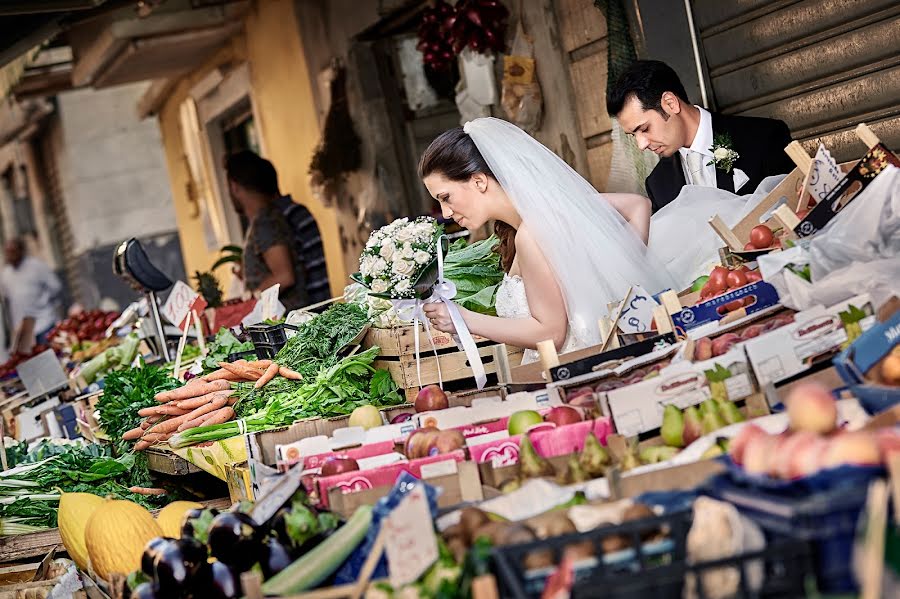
[31, 290]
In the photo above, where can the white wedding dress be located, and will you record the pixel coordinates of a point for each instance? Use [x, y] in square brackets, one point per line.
[511, 302]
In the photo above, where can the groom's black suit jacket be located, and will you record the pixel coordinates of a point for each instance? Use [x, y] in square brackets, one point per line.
[759, 142]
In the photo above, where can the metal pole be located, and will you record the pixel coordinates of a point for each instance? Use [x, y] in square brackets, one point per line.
[696, 48]
[157, 322]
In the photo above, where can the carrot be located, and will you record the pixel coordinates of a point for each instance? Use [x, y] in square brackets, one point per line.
[142, 445]
[241, 370]
[154, 438]
[163, 410]
[260, 364]
[219, 416]
[232, 400]
[189, 391]
[133, 434]
[151, 420]
[269, 374]
[221, 374]
[196, 402]
[206, 408]
[289, 374]
[147, 490]
[168, 426]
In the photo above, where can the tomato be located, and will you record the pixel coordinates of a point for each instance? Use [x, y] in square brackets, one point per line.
[749, 247]
[736, 279]
[743, 268]
[732, 306]
[717, 278]
[761, 236]
[706, 291]
[749, 301]
[754, 276]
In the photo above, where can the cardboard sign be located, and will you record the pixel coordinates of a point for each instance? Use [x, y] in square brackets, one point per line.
[181, 301]
[825, 175]
[410, 544]
[638, 314]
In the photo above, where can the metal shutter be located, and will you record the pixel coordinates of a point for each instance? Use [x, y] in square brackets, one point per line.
[822, 66]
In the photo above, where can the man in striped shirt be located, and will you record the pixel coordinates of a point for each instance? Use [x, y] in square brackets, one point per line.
[308, 243]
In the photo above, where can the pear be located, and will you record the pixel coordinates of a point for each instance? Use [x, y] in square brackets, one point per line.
[657, 453]
[713, 451]
[712, 421]
[672, 429]
[630, 460]
[706, 407]
[510, 485]
[594, 458]
[574, 472]
[730, 412]
[692, 427]
[532, 465]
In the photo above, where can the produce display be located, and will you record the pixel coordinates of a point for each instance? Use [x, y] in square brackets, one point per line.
[30, 489]
[113, 358]
[90, 325]
[224, 344]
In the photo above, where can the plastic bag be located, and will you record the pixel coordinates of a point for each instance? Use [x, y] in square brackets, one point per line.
[521, 95]
[680, 234]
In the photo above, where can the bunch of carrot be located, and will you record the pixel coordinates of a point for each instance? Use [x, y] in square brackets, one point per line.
[202, 401]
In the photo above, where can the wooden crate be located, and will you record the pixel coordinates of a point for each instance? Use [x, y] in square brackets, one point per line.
[397, 356]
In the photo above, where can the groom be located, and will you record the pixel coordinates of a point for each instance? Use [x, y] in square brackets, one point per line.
[651, 104]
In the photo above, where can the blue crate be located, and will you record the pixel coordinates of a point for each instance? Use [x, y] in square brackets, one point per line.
[823, 509]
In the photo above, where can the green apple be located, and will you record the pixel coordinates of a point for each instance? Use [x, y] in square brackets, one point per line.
[699, 282]
[522, 420]
[366, 417]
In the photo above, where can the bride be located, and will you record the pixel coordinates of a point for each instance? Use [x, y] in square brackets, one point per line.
[568, 251]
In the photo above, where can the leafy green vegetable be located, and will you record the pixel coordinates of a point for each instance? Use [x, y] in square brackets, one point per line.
[224, 345]
[317, 343]
[335, 391]
[124, 393]
[475, 270]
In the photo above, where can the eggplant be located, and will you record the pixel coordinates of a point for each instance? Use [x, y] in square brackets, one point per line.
[220, 582]
[236, 540]
[178, 565]
[145, 590]
[274, 558]
[151, 552]
[197, 522]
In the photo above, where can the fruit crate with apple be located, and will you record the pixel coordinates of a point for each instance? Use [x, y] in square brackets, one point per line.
[727, 295]
[397, 355]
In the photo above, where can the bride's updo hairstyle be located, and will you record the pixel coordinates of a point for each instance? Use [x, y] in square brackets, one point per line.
[454, 155]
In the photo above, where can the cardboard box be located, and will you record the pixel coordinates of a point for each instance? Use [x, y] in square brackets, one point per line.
[240, 484]
[814, 334]
[548, 443]
[755, 297]
[859, 365]
[638, 408]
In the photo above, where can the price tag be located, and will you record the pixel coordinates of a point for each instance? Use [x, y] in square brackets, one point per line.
[638, 314]
[825, 174]
[179, 304]
[271, 307]
[410, 543]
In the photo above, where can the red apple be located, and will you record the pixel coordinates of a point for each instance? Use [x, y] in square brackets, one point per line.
[811, 407]
[431, 398]
[336, 465]
[562, 415]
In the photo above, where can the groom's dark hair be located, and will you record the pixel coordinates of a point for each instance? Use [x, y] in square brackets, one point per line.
[647, 80]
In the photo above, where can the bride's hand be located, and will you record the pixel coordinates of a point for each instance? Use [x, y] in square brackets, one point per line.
[439, 316]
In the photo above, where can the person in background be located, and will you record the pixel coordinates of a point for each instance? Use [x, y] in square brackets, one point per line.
[31, 289]
[270, 255]
[308, 243]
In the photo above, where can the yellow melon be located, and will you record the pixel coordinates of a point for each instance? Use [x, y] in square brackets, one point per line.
[73, 514]
[171, 517]
[116, 535]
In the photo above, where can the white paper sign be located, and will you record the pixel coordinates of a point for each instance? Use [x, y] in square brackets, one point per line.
[825, 175]
[271, 307]
[180, 302]
[638, 314]
[410, 544]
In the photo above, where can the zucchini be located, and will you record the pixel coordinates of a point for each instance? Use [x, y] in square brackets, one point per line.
[322, 561]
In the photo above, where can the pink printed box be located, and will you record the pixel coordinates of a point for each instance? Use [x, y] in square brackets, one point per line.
[361, 480]
[313, 462]
[548, 442]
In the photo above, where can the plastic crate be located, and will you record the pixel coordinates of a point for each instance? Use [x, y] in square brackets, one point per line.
[823, 509]
[656, 567]
[268, 339]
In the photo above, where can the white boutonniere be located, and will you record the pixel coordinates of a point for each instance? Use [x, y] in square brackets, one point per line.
[723, 156]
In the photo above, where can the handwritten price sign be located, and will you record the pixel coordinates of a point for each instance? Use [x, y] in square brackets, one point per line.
[410, 544]
[825, 175]
[638, 314]
[181, 301]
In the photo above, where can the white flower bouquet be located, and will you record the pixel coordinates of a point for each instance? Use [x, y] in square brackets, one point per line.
[397, 255]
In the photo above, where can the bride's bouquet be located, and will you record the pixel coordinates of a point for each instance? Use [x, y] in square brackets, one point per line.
[397, 255]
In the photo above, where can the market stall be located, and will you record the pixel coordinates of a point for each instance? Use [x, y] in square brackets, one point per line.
[738, 438]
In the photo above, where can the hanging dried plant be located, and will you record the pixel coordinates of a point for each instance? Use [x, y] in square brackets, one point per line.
[339, 151]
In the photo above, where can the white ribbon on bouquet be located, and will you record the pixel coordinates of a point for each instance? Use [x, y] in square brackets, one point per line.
[443, 291]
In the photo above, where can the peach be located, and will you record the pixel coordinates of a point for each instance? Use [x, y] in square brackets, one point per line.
[759, 454]
[703, 349]
[789, 449]
[857, 449]
[807, 456]
[811, 407]
[738, 444]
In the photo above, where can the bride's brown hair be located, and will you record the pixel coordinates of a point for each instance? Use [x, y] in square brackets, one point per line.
[454, 155]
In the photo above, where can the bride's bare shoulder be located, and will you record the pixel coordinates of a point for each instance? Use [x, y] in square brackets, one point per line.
[524, 237]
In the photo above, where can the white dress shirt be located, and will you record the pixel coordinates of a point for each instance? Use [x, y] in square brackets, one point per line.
[32, 290]
[702, 143]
